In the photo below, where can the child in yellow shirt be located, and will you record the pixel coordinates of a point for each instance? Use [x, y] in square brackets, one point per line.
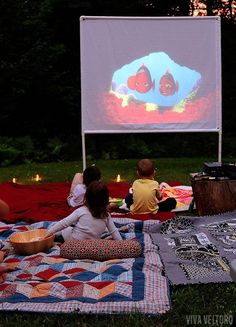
[145, 196]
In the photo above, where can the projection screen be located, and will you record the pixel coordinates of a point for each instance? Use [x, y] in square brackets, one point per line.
[150, 74]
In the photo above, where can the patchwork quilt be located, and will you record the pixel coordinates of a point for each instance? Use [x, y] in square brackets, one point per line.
[45, 282]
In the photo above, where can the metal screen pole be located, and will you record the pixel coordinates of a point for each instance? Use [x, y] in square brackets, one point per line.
[83, 151]
[220, 146]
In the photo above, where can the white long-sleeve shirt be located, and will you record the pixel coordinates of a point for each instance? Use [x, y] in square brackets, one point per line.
[76, 197]
[81, 225]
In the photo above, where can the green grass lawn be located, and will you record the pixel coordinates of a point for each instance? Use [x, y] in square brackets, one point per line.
[168, 169]
[204, 302]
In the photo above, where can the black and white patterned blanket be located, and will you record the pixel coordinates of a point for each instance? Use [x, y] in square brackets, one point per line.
[197, 249]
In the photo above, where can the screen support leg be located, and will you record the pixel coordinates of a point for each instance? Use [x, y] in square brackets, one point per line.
[83, 151]
[220, 147]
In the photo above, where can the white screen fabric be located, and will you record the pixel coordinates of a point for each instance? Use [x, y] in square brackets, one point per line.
[152, 74]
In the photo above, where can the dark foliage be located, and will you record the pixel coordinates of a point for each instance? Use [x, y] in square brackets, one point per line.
[40, 76]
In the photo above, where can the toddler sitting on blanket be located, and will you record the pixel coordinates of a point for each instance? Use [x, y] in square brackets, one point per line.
[79, 184]
[145, 195]
[89, 221]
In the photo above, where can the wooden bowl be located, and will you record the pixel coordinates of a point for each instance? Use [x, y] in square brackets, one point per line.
[26, 243]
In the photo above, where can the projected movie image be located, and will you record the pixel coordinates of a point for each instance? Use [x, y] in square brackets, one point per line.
[156, 89]
[141, 74]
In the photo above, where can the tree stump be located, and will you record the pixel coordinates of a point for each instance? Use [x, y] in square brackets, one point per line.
[213, 196]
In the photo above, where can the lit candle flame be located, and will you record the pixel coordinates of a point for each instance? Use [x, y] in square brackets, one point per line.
[13, 180]
[118, 178]
[37, 178]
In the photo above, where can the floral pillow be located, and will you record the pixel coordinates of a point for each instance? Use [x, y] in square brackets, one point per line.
[100, 249]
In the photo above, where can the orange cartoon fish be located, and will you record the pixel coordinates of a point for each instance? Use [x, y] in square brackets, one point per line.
[168, 86]
[142, 81]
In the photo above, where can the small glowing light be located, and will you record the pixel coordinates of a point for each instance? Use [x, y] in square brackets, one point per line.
[13, 180]
[118, 178]
[37, 178]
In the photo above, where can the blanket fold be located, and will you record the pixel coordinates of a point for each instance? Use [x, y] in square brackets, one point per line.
[33, 203]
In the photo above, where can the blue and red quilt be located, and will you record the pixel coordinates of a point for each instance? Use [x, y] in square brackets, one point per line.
[46, 282]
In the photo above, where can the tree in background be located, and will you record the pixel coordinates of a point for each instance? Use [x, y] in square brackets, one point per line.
[39, 79]
[40, 60]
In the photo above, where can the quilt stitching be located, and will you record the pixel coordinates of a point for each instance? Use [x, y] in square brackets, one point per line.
[45, 282]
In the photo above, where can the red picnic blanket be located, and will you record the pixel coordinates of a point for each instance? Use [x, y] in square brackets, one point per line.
[47, 202]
